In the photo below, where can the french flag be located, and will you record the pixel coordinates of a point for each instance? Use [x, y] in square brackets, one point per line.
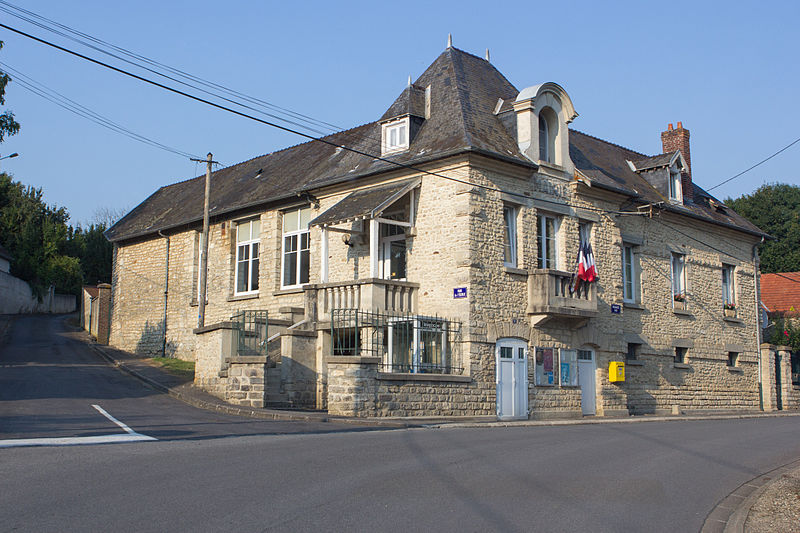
[586, 269]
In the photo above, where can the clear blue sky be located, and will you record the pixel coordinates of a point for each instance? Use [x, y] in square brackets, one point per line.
[728, 70]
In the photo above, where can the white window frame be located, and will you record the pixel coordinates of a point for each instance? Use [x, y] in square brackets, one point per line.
[419, 325]
[298, 233]
[675, 186]
[544, 135]
[544, 242]
[678, 277]
[510, 235]
[252, 245]
[396, 136]
[729, 285]
[630, 288]
[568, 358]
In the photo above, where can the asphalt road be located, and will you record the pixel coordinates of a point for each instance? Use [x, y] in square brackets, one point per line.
[210, 472]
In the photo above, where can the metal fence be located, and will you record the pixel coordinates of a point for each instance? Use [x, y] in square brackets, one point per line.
[404, 342]
[250, 333]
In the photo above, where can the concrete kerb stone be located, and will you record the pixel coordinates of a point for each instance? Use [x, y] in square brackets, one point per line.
[270, 414]
[730, 514]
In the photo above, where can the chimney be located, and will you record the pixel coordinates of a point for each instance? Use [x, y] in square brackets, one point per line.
[678, 139]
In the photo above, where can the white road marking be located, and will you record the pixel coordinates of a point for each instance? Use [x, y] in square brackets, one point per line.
[130, 436]
[117, 422]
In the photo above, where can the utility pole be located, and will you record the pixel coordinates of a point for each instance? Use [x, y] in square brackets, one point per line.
[201, 317]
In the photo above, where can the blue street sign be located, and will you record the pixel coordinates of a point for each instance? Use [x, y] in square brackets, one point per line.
[616, 309]
[460, 292]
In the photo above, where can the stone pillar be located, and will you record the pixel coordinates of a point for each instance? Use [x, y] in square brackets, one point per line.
[352, 385]
[103, 313]
[785, 355]
[323, 352]
[769, 400]
[299, 367]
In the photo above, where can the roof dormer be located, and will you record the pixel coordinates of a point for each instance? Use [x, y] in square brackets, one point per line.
[402, 121]
[666, 173]
[543, 113]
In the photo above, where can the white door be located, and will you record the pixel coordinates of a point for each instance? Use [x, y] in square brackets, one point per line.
[586, 380]
[393, 255]
[512, 378]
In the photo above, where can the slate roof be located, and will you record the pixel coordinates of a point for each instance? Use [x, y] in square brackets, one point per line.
[362, 203]
[780, 293]
[656, 161]
[464, 92]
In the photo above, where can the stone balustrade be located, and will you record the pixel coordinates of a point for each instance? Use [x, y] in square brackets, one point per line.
[367, 294]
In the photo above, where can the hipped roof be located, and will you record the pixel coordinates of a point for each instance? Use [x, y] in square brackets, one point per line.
[464, 90]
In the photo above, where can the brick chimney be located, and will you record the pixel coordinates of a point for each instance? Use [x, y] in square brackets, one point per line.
[678, 139]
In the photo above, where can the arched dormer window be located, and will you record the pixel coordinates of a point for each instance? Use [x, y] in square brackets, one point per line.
[548, 131]
[543, 113]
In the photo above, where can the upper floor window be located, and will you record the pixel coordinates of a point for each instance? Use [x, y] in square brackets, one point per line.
[547, 247]
[395, 136]
[248, 236]
[675, 190]
[728, 289]
[296, 247]
[548, 130]
[509, 236]
[629, 285]
[544, 153]
[679, 280]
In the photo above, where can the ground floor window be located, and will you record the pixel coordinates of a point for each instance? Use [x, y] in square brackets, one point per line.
[568, 369]
[681, 355]
[418, 345]
[733, 359]
[543, 373]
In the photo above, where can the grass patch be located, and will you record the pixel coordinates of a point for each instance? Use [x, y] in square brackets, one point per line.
[177, 367]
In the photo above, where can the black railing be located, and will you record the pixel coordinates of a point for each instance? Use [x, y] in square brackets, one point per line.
[404, 342]
[250, 333]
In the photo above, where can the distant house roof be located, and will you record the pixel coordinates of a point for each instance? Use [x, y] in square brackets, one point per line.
[5, 254]
[780, 293]
[463, 118]
[657, 161]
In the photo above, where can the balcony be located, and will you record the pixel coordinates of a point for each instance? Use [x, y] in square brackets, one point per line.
[549, 297]
[367, 294]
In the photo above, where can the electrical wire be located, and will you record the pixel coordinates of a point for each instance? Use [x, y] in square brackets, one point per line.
[62, 101]
[196, 79]
[288, 129]
[756, 165]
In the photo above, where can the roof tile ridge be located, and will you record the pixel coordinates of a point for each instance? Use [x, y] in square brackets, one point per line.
[612, 144]
[463, 122]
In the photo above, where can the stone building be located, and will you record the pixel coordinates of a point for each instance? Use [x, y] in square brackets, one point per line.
[432, 270]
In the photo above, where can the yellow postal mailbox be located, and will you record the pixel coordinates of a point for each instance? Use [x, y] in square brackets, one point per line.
[616, 371]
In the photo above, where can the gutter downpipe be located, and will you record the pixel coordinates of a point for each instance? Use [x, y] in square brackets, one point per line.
[756, 291]
[166, 295]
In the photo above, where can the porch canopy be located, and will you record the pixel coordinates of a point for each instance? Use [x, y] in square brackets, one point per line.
[366, 204]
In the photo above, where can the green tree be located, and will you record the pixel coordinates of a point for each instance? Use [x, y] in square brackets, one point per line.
[775, 208]
[8, 126]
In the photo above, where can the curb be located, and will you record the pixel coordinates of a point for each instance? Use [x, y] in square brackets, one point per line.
[730, 514]
[267, 414]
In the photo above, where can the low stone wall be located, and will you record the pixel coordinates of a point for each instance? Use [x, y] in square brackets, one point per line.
[16, 297]
[357, 388]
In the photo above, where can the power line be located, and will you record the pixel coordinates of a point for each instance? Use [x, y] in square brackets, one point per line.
[196, 79]
[757, 164]
[62, 101]
[286, 128]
